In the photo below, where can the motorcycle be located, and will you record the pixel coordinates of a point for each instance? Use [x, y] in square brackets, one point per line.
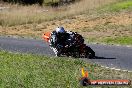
[72, 49]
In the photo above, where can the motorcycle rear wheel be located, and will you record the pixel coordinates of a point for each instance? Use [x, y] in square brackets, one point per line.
[89, 53]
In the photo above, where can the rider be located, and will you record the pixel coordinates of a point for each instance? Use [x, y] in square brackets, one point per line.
[63, 38]
[59, 37]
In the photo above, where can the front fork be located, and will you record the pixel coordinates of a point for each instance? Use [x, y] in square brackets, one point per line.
[55, 51]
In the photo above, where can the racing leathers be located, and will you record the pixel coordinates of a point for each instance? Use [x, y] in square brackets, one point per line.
[59, 39]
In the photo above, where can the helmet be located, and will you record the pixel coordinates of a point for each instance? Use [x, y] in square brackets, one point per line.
[60, 30]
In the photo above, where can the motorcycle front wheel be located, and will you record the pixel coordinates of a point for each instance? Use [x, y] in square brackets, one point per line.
[57, 53]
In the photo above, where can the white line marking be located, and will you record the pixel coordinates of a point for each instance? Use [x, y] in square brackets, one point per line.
[115, 69]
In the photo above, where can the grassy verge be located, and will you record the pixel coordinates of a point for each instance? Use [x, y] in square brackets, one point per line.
[118, 6]
[112, 28]
[109, 34]
[119, 40]
[31, 71]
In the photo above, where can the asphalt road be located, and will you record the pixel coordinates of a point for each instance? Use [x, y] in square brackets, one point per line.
[118, 57]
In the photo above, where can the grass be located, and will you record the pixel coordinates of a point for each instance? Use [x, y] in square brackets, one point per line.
[47, 1]
[31, 71]
[119, 40]
[122, 5]
[109, 33]
[18, 15]
[25, 17]
[118, 6]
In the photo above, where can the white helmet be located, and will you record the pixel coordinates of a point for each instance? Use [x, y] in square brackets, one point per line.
[60, 30]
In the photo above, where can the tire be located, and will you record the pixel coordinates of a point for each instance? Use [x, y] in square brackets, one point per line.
[57, 53]
[89, 53]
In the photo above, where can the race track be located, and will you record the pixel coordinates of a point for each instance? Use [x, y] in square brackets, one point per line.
[119, 57]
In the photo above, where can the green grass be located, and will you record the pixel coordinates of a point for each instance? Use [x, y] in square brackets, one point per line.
[33, 71]
[109, 34]
[47, 1]
[118, 6]
[119, 40]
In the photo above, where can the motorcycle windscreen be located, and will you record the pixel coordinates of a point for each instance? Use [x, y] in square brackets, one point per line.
[46, 36]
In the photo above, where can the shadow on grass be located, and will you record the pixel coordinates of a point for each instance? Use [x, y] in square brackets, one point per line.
[97, 57]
